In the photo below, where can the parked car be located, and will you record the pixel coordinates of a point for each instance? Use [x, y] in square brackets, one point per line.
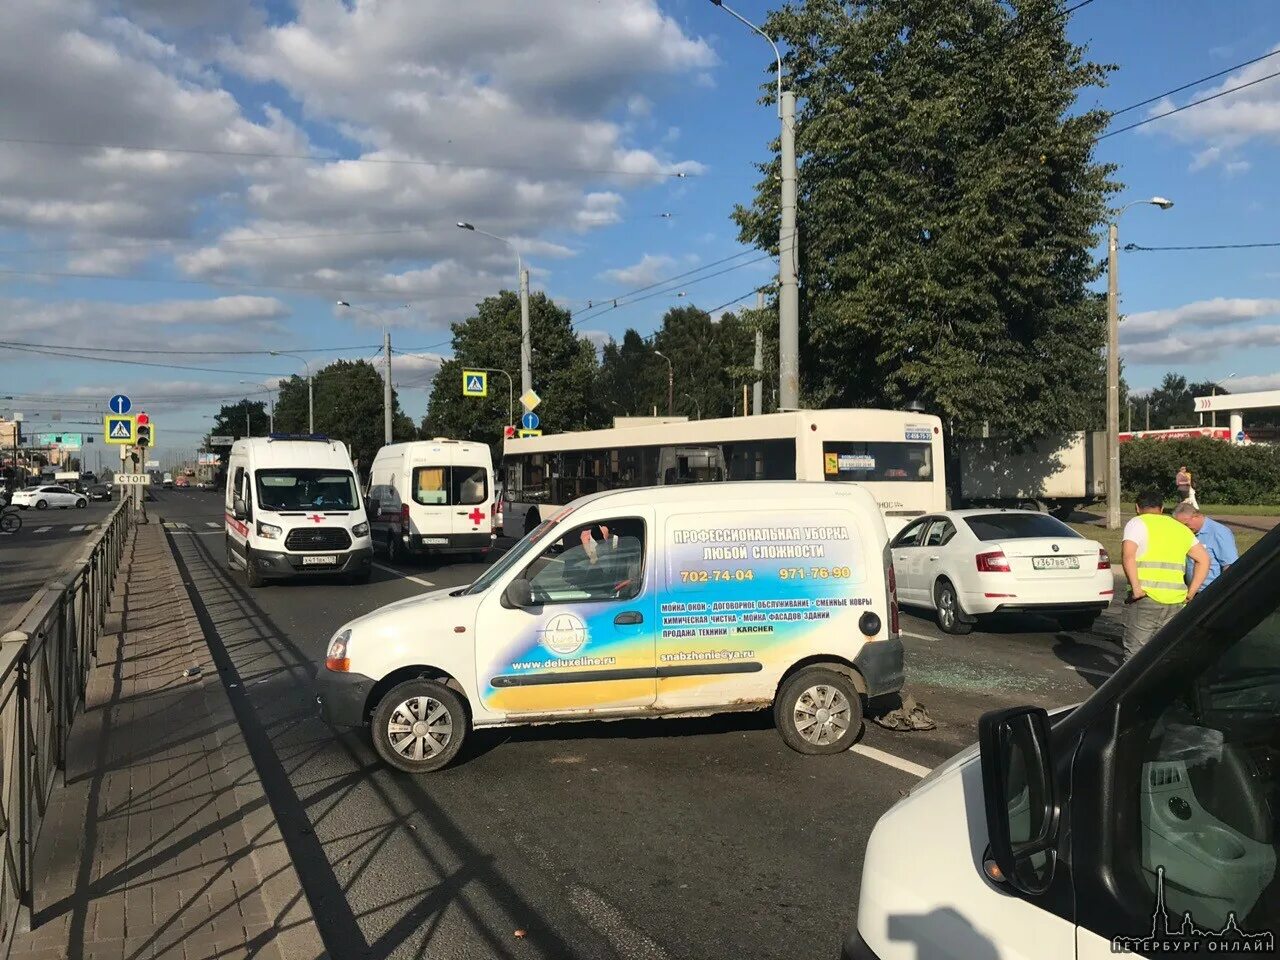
[963, 564]
[99, 491]
[181, 482]
[49, 496]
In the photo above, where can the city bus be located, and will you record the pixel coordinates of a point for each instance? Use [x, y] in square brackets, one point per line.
[896, 455]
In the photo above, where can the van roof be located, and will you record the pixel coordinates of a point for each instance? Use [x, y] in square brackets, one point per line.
[293, 451]
[766, 492]
[437, 445]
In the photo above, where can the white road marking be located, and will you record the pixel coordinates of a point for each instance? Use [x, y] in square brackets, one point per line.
[207, 533]
[608, 921]
[78, 527]
[906, 766]
[215, 526]
[42, 530]
[917, 636]
[382, 566]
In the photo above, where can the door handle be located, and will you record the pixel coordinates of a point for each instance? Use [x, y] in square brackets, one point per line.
[629, 616]
[933, 558]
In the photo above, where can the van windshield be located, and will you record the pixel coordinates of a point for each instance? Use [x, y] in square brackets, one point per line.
[300, 488]
[516, 554]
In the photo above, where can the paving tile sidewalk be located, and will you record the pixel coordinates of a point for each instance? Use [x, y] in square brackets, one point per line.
[162, 842]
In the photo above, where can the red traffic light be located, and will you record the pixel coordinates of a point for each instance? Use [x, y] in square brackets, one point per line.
[508, 432]
[143, 420]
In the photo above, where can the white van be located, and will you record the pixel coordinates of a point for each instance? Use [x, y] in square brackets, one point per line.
[293, 509]
[1144, 821]
[646, 602]
[432, 496]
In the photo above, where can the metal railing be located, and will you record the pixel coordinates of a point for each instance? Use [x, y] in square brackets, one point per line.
[45, 658]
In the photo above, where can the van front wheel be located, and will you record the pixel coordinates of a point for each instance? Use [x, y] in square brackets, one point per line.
[419, 726]
[818, 711]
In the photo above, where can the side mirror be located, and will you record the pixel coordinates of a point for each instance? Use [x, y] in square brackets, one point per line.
[519, 593]
[1020, 798]
[238, 509]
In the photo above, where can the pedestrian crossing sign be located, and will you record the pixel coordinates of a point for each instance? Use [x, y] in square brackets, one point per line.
[475, 383]
[119, 429]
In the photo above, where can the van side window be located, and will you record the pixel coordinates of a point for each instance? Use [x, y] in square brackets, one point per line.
[1209, 787]
[596, 561]
[238, 487]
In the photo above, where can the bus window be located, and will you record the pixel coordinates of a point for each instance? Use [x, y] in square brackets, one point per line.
[883, 461]
[691, 464]
[760, 460]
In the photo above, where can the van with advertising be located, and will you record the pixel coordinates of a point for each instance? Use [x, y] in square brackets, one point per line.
[657, 602]
[1144, 821]
[293, 509]
[432, 496]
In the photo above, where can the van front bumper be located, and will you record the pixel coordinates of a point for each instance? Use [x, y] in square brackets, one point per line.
[342, 696]
[272, 564]
[880, 663]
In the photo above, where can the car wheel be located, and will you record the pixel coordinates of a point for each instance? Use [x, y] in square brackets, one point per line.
[1077, 622]
[818, 711]
[252, 577]
[42, 504]
[81, 503]
[947, 604]
[419, 726]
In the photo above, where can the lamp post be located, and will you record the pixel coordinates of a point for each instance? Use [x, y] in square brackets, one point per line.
[526, 350]
[788, 283]
[1113, 361]
[311, 402]
[697, 406]
[271, 406]
[671, 381]
[1216, 384]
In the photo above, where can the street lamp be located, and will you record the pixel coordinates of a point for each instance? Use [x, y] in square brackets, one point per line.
[271, 407]
[788, 283]
[1216, 384]
[311, 403]
[671, 380]
[1113, 361]
[526, 378]
[696, 404]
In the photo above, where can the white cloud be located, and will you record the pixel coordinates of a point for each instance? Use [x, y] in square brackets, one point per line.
[649, 269]
[1201, 345]
[1264, 381]
[1218, 312]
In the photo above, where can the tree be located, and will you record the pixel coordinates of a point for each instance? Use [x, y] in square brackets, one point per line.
[348, 404]
[632, 379]
[948, 207]
[564, 372]
[244, 418]
[1173, 402]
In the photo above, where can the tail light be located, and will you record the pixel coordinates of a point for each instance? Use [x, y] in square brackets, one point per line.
[893, 601]
[994, 562]
[1104, 559]
[404, 518]
[497, 509]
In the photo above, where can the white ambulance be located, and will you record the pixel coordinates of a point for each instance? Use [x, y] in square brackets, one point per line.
[432, 496]
[663, 601]
[293, 509]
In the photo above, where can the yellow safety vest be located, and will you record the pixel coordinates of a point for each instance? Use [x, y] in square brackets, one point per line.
[1162, 567]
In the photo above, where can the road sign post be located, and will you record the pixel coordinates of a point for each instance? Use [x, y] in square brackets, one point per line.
[530, 433]
[221, 441]
[530, 421]
[119, 404]
[530, 400]
[475, 383]
[482, 373]
[119, 429]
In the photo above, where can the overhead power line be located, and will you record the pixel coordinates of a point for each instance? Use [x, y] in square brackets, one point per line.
[1187, 106]
[323, 158]
[171, 352]
[134, 363]
[626, 302]
[1204, 246]
[1194, 83]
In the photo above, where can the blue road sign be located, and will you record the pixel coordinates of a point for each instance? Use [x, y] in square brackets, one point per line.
[530, 421]
[1240, 437]
[120, 404]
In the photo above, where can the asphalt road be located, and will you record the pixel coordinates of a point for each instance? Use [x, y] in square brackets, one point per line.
[48, 541]
[634, 839]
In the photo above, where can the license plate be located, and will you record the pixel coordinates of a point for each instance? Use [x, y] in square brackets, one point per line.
[439, 540]
[320, 560]
[1055, 563]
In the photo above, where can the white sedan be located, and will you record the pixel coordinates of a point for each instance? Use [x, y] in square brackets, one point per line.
[966, 563]
[49, 496]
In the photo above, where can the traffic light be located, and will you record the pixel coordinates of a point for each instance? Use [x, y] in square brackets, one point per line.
[143, 425]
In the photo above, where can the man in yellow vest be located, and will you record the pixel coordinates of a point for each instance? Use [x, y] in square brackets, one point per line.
[1156, 549]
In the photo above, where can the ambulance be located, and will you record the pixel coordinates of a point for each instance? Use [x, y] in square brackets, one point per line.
[655, 602]
[293, 509]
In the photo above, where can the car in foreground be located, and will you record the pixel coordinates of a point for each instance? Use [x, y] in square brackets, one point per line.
[963, 564]
[49, 496]
[98, 491]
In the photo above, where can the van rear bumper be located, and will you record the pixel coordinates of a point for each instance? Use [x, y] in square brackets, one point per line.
[452, 542]
[880, 663]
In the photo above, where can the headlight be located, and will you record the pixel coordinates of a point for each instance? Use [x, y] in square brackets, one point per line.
[361, 529]
[335, 658]
[268, 532]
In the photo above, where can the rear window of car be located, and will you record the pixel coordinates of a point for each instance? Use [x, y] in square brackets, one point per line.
[1017, 526]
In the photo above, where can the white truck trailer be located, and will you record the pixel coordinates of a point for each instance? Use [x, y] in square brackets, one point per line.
[1055, 474]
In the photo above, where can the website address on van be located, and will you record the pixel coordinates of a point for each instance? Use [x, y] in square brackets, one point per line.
[685, 656]
[557, 662]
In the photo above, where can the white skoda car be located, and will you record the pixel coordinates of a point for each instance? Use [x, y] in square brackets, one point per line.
[966, 563]
[49, 496]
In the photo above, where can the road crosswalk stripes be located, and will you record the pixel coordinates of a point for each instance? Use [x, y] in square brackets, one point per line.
[176, 525]
[212, 525]
[42, 530]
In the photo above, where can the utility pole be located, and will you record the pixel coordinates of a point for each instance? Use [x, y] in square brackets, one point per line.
[526, 346]
[1148, 415]
[386, 387]
[789, 285]
[757, 389]
[671, 382]
[1113, 381]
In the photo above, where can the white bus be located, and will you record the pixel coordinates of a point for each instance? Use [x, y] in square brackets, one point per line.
[896, 455]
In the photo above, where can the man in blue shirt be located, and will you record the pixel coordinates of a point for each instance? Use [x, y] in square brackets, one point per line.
[1217, 538]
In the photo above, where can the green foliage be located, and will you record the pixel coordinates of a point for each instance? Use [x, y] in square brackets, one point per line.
[1222, 472]
[564, 372]
[348, 406]
[231, 421]
[1172, 403]
[948, 204]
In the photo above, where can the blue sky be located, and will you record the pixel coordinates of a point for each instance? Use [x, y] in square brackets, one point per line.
[556, 124]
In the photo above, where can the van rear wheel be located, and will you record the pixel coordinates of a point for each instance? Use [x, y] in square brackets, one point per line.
[818, 711]
[419, 726]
